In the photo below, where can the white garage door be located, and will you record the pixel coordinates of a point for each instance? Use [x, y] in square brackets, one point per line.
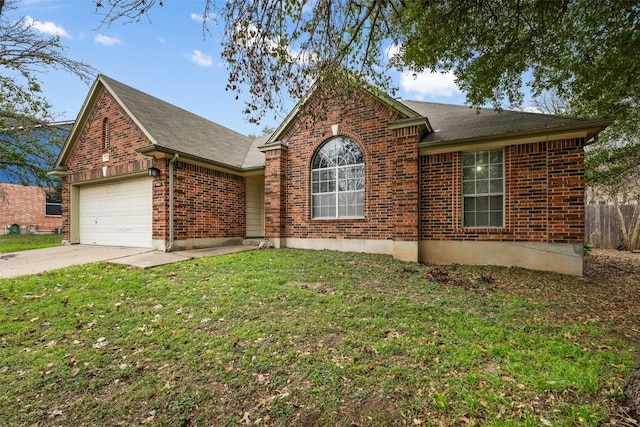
[116, 214]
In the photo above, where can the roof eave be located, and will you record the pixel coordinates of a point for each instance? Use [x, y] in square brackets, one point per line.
[421, 121]
[160, 152]
[276, 145]
[59, 171]
[586, 130]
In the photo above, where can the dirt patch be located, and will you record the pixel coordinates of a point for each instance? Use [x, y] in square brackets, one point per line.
[609, 292]
[605, 262]
[613, 280]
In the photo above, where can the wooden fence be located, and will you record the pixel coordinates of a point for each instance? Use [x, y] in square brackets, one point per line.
[601, 229]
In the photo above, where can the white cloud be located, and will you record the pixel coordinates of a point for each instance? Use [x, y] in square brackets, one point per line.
[202, 18]
[392, 51]
[46, 27]
[533, 109]
[201, 59]
[106, 40]
[252, 37]
[197, 17]
[428, 84]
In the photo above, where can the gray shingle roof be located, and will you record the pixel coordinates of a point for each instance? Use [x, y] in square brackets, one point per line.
[255, 157]
[460, 123]
[172, 129]
[178, 130]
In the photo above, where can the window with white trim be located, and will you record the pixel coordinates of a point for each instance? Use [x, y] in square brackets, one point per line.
[337, 180]
[483, 189]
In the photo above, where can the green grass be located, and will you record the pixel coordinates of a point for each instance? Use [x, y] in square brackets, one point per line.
[293, 337]
[23, 242]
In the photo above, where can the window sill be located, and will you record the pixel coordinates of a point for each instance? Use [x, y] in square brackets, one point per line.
[346, 219]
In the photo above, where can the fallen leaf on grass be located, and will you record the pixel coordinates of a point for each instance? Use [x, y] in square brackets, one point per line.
[101, 343]
[55, 413]
[392, 335]
[245, 419]
[545, 422]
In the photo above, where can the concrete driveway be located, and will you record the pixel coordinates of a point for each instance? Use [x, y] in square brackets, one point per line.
[41, 260]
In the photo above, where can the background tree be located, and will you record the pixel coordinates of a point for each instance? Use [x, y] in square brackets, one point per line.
[612, 171]
[27, 148]
[585, 50]
[266, 130]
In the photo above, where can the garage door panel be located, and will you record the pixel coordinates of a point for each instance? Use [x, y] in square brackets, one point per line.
[116, 214]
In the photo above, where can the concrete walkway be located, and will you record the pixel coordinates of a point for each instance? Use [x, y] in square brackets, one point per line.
[154, 258]
[40, 260]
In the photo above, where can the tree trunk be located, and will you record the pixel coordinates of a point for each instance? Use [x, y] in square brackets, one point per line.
[632, 390]
[623, 226]
[634, 228]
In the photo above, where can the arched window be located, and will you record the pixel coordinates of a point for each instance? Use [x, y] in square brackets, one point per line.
[337, 180]
[105, 133]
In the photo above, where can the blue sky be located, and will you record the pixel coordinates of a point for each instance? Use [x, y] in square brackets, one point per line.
[169, 58]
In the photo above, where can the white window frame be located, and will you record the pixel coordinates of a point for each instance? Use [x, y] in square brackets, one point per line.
[338, 173]
[491, 191]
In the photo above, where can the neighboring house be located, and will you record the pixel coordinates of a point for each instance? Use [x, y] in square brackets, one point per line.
[31, 208]
[420, 181]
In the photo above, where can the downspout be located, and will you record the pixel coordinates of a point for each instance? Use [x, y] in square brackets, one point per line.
[171, 162]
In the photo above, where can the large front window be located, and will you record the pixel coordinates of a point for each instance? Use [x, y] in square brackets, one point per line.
[483, 189]
[337, 180]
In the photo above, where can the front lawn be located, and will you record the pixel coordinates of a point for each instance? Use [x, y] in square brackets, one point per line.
[307, 338]
[23, 242]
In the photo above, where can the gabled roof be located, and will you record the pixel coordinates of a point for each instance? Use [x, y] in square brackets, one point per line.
[457, 124]
[402, 109]
[169, 128]
[174, 130]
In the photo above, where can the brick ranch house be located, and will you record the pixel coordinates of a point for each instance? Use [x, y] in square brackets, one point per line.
[416, 180]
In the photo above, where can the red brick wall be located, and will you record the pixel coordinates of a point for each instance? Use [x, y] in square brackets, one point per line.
[275, 192]
[366, 121]
[405, 184]
[208, 203]
[85, 161]
[25, 206]
[544, 195]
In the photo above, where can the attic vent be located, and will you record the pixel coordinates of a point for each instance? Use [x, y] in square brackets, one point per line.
[105, 133]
